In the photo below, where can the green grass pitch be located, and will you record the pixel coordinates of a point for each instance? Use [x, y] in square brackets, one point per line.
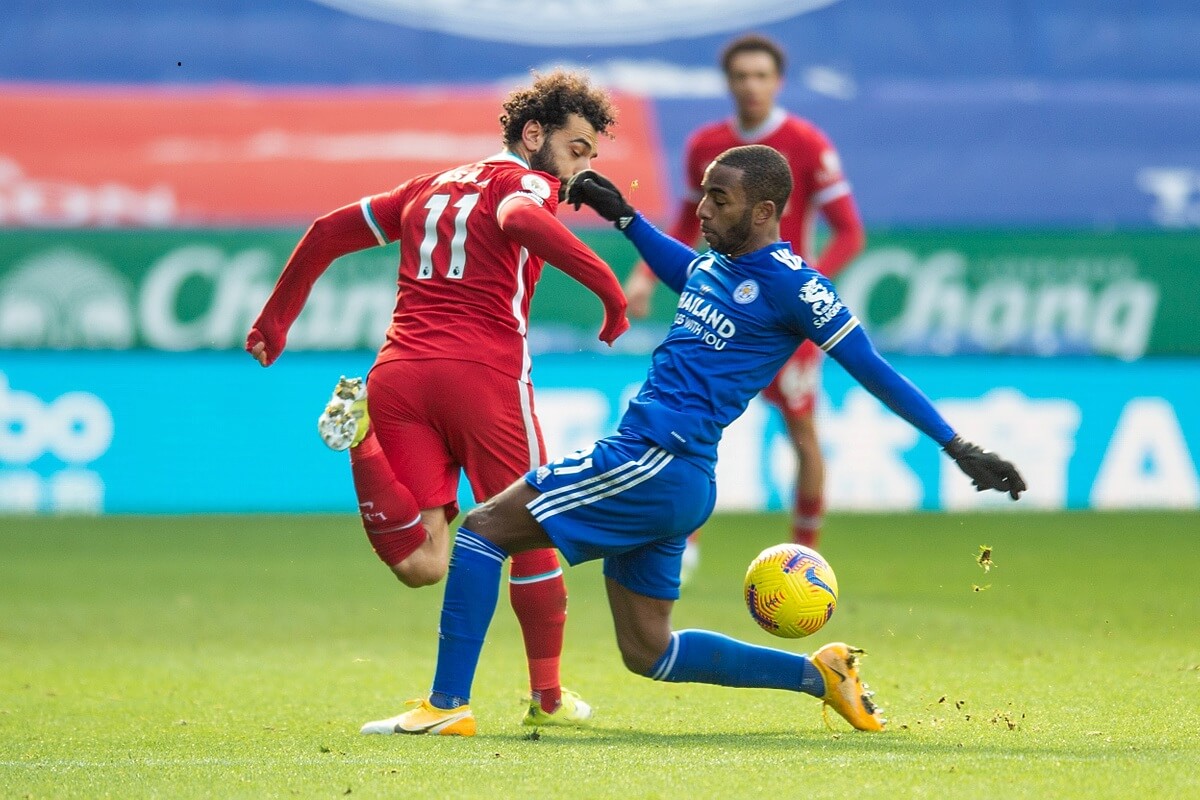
[237, 657]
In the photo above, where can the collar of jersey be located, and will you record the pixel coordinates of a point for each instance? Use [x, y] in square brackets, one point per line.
[508, 155]
[762, 131]
[754, 258]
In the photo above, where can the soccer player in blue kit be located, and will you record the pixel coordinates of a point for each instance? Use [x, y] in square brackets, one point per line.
[633, 498]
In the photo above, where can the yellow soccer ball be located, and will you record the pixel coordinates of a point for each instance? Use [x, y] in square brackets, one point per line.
[791, 590]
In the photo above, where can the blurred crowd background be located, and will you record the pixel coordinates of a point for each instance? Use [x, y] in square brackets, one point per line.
[1029, 176]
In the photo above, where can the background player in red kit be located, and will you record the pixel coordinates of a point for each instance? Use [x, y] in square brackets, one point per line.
[754, 67]
[450, 387]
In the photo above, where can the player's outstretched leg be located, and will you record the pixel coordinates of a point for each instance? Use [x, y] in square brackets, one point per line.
[831, 673]
[539, 598]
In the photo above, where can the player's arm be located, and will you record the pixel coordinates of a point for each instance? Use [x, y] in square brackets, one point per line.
[640, 285]
[335, 234]
[668, 257]
[855, 352]
[846, 235]
[534, 228]
[844, 339]
[822, 171]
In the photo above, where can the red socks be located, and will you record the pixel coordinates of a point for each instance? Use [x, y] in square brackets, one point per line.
[539, 598]
[806, 520]
[389, 511]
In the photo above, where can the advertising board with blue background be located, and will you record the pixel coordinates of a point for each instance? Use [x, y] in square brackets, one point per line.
[153, 432]
[1026, 156]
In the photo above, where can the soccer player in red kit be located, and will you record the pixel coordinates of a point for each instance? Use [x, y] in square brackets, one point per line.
[450, 388]
[754, 67]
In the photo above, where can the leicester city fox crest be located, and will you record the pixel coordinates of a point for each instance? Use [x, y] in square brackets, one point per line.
[746, 292]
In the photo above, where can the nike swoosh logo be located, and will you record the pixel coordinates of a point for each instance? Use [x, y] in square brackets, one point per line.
[835, 672]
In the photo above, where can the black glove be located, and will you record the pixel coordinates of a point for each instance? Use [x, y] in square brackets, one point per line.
[985, 469]
[590, 188]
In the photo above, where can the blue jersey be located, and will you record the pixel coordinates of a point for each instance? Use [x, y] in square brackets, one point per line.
[737, 322]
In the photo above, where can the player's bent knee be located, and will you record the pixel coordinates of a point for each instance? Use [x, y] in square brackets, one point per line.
[416, 573]
[495, 518]
[640, 656]
[478, 519]
[396, 547]
[405, 554]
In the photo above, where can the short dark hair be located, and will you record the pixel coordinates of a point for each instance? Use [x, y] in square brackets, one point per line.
[551, 99]
[754, 43]
[765, 173]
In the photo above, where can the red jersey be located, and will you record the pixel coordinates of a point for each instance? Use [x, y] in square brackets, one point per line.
[816, 171]
[464, 285]
[472, 244]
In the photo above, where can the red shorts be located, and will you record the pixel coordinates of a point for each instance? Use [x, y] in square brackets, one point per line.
[436, 417]
[794, 388]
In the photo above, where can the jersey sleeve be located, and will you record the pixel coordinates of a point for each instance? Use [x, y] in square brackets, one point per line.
[536, 187]
[824, 172]
[383, 213]
[827, 321]
[817, 311]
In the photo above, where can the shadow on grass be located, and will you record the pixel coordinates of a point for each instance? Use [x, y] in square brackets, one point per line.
[1006, 745]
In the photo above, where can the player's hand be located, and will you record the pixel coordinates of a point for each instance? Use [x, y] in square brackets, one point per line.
[590, 188]
[639, 289]
[985, 469]
[613, 328]
[615, 321]
[259, 350]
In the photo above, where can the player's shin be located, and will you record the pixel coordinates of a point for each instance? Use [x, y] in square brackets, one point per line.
[472, 589]
[695, 656]
[390, 514]
[539, 599]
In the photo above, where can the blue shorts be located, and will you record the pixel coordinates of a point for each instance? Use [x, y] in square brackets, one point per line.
[628, 501]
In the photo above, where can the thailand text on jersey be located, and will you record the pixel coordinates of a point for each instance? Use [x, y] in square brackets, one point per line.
[816, 168]
[464, 286]
[738, 320]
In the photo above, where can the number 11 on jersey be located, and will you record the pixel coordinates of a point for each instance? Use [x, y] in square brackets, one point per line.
[437, 206]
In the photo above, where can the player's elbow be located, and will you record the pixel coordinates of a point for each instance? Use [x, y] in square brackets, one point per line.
[858, 241]
[854, 239]
[321, 237]
[322, 227]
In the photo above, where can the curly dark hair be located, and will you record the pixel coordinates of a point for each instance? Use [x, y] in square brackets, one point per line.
[551, 99]
[754, 43]
[765, 173]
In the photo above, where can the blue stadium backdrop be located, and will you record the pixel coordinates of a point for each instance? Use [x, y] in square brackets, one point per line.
[1040, 163]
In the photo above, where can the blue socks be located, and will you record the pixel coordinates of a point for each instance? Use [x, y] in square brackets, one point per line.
[472, 589]
[706, 657]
